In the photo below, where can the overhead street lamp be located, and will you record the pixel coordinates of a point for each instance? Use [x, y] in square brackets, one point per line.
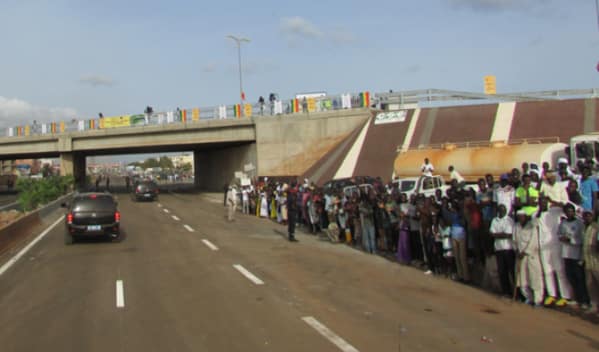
[238, 41]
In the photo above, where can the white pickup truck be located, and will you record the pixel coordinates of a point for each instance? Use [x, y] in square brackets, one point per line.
[426, 185]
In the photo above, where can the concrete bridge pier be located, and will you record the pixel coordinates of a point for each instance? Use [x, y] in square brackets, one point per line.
[216, 167]
[73, 164]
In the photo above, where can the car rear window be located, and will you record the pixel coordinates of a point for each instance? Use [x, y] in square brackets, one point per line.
[93, 202]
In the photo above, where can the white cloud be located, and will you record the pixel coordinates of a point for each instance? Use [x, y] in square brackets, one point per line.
[97, 80]
[15, 112]
[300, 27]
[498, 5]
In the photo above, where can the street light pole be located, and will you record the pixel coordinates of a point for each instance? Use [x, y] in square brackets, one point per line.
[238, 41]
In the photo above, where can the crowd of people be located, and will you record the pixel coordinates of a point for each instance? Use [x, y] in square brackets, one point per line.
[537, 227]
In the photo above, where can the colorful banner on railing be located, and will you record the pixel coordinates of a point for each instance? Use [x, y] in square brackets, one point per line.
[237, 110]
[115, 122]
[365, 99]
[247, 110]
[195, 114]
[295, 105]
[138, 120]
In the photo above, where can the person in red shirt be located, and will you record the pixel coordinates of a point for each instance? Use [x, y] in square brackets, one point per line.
[474, 221]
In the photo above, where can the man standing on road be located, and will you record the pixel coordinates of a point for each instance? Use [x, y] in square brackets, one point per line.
[528, 267]
[590, 251]
[107, 183]
[231, 203]
[571, 232]
[527, 197]
[291, 212]
[588, 190]
[502, 230]
[245, 200]
[554, 197]
[127, 182]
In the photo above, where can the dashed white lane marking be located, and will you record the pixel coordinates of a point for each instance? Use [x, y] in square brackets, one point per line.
[188, 228]
[175, 218]
[166, 211]
[159, 205]
[329, 335]
[210, 245]
[253, 278]
[120, 294]
[23, 251]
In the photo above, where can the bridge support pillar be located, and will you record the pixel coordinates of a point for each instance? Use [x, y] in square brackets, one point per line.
[73, 164]
[66, 164]
[217, 167]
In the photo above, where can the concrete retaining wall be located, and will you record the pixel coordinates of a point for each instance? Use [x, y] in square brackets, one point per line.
[290, 145]
[23, 226]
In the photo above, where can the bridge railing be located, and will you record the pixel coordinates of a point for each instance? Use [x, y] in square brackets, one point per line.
[181, 116]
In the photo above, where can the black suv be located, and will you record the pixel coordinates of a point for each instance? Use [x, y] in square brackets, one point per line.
[145, 190]
[92, 215]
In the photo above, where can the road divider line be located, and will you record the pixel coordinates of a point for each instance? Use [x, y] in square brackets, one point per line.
[166, 211]
[210, 245]
[175, 218]
[253, 278]
[120, 294]
[24, 251]
[329, 335]
[188, 228]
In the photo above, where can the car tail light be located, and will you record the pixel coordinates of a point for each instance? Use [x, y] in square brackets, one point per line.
[137, 190]
[69, 218]
[157, 191]
[117, 216]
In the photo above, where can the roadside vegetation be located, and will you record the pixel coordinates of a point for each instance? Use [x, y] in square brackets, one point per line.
[36, 192]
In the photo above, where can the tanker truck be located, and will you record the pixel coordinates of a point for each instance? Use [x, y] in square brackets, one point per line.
[473, 160]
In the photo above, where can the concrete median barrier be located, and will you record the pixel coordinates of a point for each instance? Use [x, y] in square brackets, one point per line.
[22, 227]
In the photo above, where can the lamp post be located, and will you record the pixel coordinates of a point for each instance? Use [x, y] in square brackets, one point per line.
[238, 41]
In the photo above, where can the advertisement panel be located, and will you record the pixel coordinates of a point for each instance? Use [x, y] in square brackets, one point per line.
[116, 121]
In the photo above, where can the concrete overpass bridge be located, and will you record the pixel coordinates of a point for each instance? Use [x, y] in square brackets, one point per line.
[220, 147]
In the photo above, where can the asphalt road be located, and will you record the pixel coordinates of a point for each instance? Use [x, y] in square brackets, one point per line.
[179, 294]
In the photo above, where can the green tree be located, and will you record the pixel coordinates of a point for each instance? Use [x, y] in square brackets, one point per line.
[166, 163]
[186, 167]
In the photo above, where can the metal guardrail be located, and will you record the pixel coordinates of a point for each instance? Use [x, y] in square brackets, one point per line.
[228, 112]
[401, 99]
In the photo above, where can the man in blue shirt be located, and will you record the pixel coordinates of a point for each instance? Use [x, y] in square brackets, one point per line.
[588, 190]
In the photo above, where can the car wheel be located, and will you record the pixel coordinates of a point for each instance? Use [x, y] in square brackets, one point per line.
[68, 239]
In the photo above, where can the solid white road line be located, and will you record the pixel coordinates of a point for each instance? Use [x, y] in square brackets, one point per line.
[210, 245]
[176, 218]
[249, 275]
[120, 294]
[166, 211]
[23, 251]
[188, 228]
[329, 335]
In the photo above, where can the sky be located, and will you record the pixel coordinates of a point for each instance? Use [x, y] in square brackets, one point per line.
[65, 59]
